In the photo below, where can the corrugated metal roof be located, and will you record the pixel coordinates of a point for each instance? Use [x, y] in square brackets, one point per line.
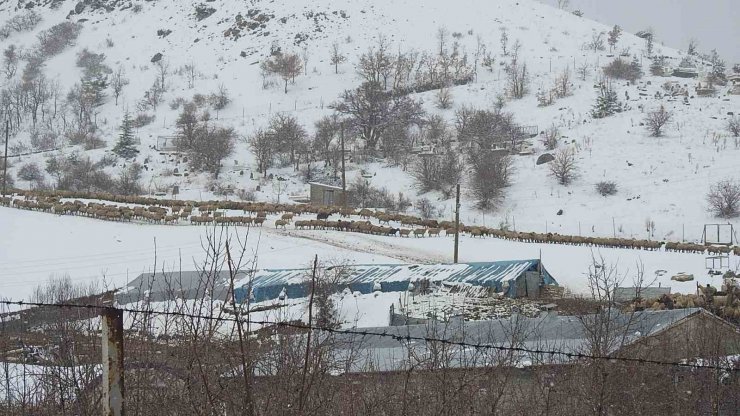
[268, 283]
[548, 332]
[479, 274]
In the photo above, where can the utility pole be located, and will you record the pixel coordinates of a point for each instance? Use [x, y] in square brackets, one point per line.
[113, 390]
[457, 220]
[344, 179]
[5, 162]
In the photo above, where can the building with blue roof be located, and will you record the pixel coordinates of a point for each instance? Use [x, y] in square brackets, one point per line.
[514, 278]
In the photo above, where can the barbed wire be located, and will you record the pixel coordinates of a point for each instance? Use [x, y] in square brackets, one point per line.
[397, 337]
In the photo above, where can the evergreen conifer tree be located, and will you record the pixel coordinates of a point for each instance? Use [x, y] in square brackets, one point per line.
[658, 65]
[607, 103]
[636, 68]
[126, 148]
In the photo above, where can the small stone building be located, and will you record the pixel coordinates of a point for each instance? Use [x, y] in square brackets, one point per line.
[328, 195]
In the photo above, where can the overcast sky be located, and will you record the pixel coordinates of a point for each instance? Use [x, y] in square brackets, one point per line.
[714, 23]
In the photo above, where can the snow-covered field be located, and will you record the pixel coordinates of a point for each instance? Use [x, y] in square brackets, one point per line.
[36, 246]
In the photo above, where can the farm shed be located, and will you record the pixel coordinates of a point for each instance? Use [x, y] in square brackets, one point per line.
[626, 294]
[515, 278]
[669, 335]
[329, 195]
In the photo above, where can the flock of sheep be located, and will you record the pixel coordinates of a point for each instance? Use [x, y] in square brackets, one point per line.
[388, 224]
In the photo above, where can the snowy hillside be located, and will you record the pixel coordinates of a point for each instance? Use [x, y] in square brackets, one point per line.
[219, 46]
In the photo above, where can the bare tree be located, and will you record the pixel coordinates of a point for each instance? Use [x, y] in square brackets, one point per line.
[490, 175]
[210, 146]
[550, 140]
[504, 40]
[563, 84]
[518, 79]
[442, 37]
[305, 55]
[377, 64]
[724, 199]
[444, 98]
[163, 70]
[262, 146]
[30, 172]
[614, 35]
[10, 61]
[289, 137]
[373, 112]
[220, 99]
[733, 126]
[191, 74]
[656, 120]
[597, 41]
[286, 65]
[337, 57]
[584, 70]
[564, 167]
[563, 4]
[118, 81]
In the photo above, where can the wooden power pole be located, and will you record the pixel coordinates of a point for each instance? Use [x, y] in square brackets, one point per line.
[113, 391]
[5, 162]
[457, 220]
[344, 178]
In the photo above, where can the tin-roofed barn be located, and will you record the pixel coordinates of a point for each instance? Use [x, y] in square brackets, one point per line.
[515, 278]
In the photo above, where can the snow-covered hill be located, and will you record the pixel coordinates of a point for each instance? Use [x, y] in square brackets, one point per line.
[661, 181]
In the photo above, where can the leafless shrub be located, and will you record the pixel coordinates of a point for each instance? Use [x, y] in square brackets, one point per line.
[143, 119]
[444, 98]
[437, 173]
[246, 194]
[426, 208]
[77, 173]
[30, 172]
[724, 199]
[657, 119]
[128, 181]
[565, 167]
[44, 140]
[606, 188]
[621, 69]
[177, 103]
[86, 138]
[551, 137]
[490, 175]
[597, 42]
[219, 99]
[563, 84]
[23, 22]
[60, 36]
[733, 126]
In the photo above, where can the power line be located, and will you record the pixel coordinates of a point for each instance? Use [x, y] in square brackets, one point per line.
[397, 337]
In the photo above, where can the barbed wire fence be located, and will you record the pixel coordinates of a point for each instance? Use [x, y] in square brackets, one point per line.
[366, 333]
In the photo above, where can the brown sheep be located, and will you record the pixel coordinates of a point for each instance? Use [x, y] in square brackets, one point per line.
[287, 217]
[434, 232]
[281, 223]
[420, 232]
